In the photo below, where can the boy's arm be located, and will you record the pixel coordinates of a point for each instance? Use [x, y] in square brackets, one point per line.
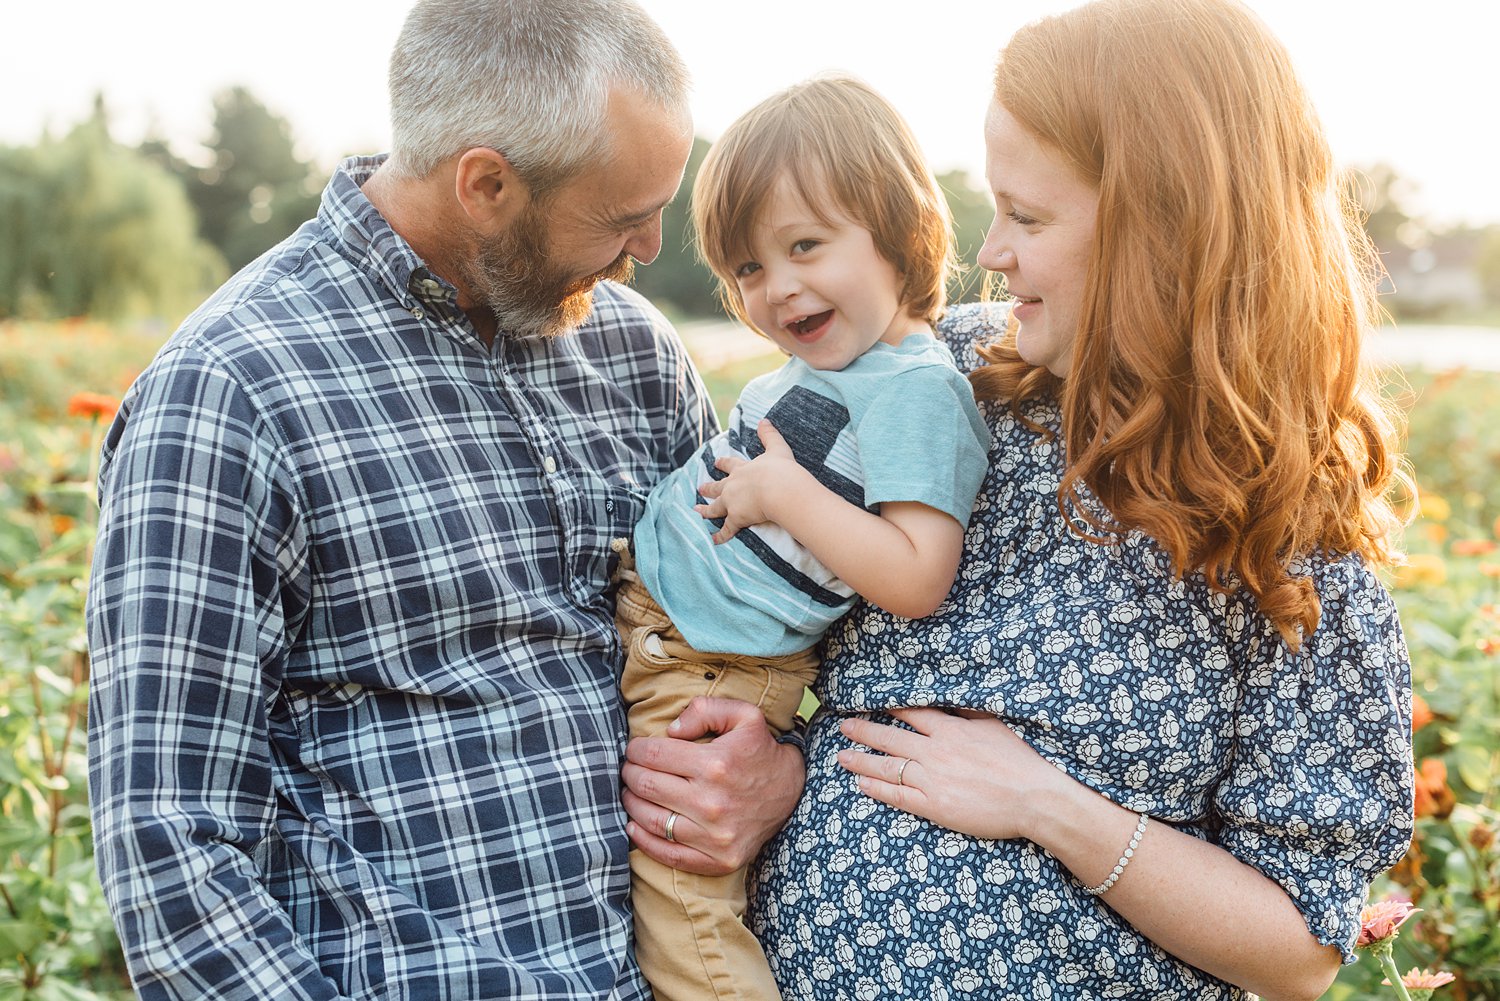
[903, 559]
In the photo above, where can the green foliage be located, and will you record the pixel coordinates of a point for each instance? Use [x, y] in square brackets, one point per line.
[43, 365]
[91, 227]
[256, 190]
[1449, 597]
[56, 938]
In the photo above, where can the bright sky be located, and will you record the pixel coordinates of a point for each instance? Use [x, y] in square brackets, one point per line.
[1415, 85]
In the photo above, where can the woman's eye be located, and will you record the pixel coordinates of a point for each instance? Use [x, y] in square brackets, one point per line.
[746, 270]
[1020, 218]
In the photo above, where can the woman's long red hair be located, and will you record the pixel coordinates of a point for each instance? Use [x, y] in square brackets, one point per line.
[1217, 399]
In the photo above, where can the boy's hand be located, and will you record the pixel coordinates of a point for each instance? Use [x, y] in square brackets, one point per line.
[747, 495]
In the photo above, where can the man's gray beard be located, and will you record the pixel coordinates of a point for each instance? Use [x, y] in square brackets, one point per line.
[529, 294]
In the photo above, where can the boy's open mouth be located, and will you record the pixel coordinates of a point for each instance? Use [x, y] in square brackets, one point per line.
[810, 324]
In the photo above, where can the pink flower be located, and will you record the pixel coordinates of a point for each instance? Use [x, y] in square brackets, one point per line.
[1423, 980]
[1379, 922]
[1420, 984]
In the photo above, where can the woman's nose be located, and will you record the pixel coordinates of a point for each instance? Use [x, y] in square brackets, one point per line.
[996, 254]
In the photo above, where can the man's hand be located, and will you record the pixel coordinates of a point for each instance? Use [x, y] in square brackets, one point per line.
[731, 794]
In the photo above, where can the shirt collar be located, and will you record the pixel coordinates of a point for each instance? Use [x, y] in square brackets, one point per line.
[359, 232]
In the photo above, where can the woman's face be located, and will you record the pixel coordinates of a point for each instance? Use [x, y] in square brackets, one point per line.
[1040, 239]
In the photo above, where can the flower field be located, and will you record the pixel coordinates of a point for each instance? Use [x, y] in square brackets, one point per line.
[58, 386]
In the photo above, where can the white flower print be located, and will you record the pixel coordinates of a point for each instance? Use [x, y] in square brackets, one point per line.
[1220, 726]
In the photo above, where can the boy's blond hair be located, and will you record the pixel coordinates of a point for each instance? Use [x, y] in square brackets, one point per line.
[845, 151]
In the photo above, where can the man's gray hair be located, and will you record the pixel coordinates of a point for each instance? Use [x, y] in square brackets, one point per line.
[530, 78]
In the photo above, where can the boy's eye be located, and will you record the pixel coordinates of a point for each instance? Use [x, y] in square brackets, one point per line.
[746, 270]
[803, 246]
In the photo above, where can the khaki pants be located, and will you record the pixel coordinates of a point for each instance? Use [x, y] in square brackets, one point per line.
[690, 934]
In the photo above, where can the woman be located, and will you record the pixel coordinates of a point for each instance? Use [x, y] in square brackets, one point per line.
[1156, 744]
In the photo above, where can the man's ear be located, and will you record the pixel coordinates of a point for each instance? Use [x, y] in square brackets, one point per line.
[488, 189]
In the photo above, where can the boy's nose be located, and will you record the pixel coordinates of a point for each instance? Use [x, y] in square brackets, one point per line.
[781, 287]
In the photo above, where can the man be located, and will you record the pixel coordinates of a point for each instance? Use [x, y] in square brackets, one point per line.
[354, 722]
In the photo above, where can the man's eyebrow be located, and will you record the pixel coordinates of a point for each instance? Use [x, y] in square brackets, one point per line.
[635, 218]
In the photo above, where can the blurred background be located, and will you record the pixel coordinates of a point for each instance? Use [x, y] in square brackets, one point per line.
[147, 151]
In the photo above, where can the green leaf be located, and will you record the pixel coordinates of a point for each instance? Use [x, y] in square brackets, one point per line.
[20, 937]
[1474, 765]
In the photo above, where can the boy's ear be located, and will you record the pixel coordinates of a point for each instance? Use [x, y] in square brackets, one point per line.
[488, 189]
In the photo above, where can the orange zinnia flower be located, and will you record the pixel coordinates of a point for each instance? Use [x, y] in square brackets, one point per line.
[95, 405]
[1473, 547]
[1433, 797]
[1421, 714]
[1380, 922]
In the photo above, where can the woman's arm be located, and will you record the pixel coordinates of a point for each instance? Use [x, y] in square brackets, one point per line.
[1197, 901]
[903, 559]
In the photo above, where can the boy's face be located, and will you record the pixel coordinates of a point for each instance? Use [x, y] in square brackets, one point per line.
[820, 291]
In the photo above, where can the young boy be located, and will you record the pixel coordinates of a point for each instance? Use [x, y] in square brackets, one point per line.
[850, 471]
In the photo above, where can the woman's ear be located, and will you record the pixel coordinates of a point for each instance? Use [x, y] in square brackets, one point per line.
[488, 189]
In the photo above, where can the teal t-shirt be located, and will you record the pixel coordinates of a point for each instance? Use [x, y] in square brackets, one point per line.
[897, 424]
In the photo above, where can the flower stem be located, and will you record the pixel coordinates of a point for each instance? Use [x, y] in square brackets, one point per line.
[1388, 964]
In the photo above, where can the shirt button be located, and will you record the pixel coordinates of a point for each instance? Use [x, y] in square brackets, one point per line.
[609, 507]
[418, 312]
[549, 464]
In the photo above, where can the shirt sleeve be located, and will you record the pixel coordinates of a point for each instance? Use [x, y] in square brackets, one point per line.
[922, 440]
[1318, 796]
[197, 585]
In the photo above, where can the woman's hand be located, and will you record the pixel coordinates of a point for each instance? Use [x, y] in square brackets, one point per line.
[969, 773]
[745, 497]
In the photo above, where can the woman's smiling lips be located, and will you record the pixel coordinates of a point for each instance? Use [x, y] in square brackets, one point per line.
[1025, 306]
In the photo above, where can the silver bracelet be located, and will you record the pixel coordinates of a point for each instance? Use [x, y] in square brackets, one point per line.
[1135, 839]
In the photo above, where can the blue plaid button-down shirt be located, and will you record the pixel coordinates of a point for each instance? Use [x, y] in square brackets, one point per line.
[354, 725]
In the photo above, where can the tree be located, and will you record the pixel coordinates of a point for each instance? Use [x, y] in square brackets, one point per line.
[91, 227]
[255, 190]
[1383, 196]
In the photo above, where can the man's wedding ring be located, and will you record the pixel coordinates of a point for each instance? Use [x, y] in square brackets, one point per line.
[901, 772]
[671, 823]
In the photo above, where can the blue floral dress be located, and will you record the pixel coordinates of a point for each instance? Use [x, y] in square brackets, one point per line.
[1160, 694]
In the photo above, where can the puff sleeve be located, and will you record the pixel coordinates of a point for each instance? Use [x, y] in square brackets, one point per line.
[1318, 794]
